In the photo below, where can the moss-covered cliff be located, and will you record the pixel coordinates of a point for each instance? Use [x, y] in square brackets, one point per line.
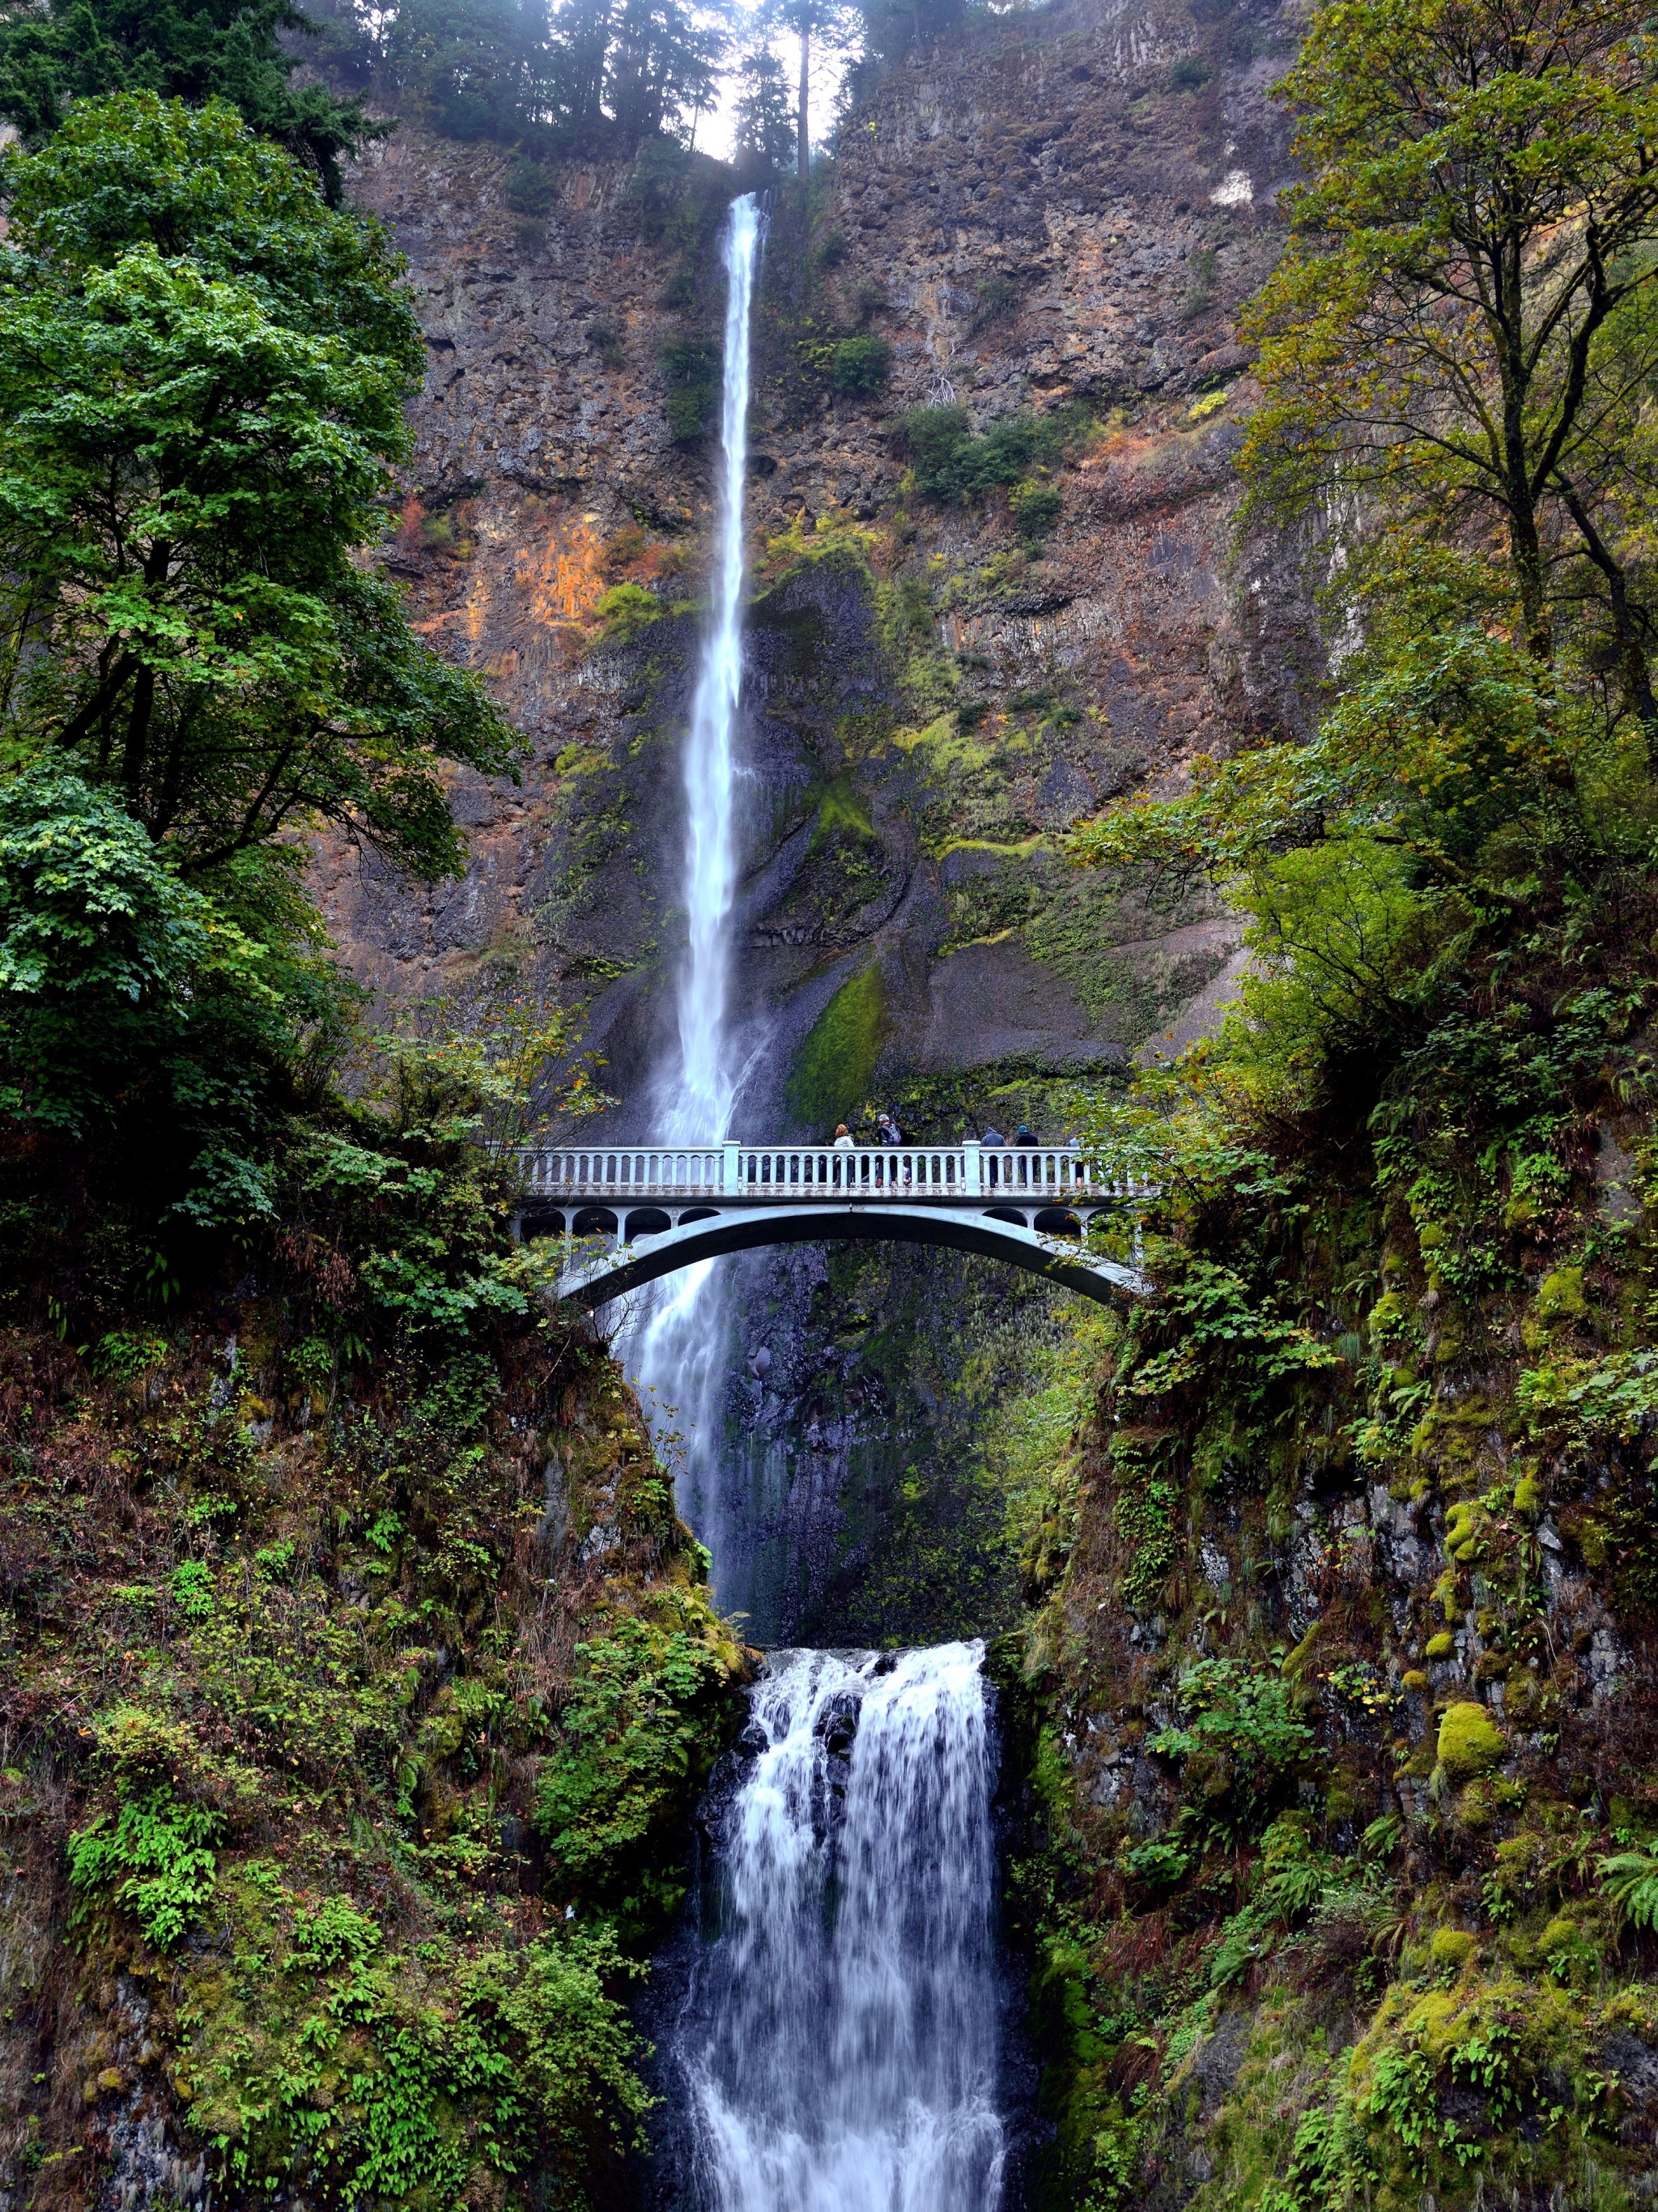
[1338, 1676]
[356, 1684]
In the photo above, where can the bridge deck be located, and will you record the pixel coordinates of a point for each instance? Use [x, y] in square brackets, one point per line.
[774, 1174]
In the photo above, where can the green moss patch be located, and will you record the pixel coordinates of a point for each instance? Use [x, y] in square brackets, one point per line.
[836, 1065]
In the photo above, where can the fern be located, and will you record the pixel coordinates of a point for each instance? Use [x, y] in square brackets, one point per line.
[1630, 1880]
[157, 1861]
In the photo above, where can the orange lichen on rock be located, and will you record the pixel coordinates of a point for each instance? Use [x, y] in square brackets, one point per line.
[564, 578]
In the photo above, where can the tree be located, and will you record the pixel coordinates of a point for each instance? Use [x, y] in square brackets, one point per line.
[834, 25]
[473, 68]
[764, 134]
[190, 50]
[1463, 330]
[663, 60]
[202, 376]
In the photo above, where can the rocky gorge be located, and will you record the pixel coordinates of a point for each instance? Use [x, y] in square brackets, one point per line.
[400, 1803]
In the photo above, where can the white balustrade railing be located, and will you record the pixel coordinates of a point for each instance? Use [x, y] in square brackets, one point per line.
[773, 1174]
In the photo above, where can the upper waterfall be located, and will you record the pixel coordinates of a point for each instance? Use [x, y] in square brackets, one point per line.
[698, 1094]
[676, 1346]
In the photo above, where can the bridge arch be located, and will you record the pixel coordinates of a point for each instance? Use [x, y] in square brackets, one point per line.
[1043, 1247]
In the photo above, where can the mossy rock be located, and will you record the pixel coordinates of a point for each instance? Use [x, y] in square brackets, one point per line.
[1442, 1646]
[1470, 1741]
[1451, 1948]
[1560, 1296]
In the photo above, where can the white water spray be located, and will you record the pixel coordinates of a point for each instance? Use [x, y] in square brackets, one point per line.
[840, 2044]
[676, 1348]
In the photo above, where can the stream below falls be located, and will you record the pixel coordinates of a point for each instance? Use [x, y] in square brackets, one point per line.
[836, 2048]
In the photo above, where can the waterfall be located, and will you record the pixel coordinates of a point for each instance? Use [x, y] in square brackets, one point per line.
[839, 2044]
[677, 1346]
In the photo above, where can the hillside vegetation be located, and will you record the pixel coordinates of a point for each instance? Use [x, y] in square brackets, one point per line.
[1343, 1644]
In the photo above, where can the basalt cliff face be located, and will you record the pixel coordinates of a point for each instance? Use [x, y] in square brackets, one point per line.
[1057, 216]
[1067, 208]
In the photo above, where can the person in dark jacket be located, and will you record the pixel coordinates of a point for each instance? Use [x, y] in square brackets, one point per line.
[993, 1140]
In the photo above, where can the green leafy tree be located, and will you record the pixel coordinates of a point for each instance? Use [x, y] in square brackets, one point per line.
[190, 50]
[1462, 329]
[202, 376]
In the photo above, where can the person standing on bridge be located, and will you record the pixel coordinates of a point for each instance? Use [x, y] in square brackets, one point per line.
[844, 1176]
[993, 1141]
[888, 1133]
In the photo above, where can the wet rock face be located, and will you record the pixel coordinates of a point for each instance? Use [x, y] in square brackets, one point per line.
[1028, 219]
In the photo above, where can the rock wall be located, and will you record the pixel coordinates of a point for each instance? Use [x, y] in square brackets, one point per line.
[1059, 215]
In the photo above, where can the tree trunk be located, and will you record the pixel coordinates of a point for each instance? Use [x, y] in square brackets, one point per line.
[804, 134]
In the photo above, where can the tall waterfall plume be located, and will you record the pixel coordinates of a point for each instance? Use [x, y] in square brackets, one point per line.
[677, 1346]
[840, 2041]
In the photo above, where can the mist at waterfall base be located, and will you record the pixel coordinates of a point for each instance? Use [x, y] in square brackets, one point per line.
[678, 1348]
[832, 2017]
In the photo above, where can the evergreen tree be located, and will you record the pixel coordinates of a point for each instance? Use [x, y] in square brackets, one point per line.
[472, 69]
[663, 61]
[765, 137]
[191, 50]
[833, 25]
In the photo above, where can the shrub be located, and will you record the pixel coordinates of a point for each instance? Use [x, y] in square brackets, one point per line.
[1190, 74]
[860, 364]
[634, 1744]
[625, 610]
[531, 187]
[156, 1860]
[1034, 507]
[693, 368]
[1241, 1742]
[954, 463]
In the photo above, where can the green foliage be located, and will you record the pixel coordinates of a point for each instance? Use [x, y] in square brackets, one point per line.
[1630, 1880]
[184, 620]
[341, 2065]
[954, 464]
[860, 364]
[835, 1066]
[634, 1746]
[762, 138]
[531, 188]
[1035, 507]
[691, 368]
[237, 50]
[1241, 1742]
[106, 958]
[626, 610]
[1439, 147]
[155, 1859]
[580, 77]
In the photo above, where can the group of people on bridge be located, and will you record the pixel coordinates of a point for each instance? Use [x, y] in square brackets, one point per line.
[886, 1132]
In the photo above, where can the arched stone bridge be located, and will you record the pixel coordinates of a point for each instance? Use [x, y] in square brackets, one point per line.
[637, 1212]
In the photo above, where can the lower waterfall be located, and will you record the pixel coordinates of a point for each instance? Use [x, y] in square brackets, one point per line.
[838, 2046]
